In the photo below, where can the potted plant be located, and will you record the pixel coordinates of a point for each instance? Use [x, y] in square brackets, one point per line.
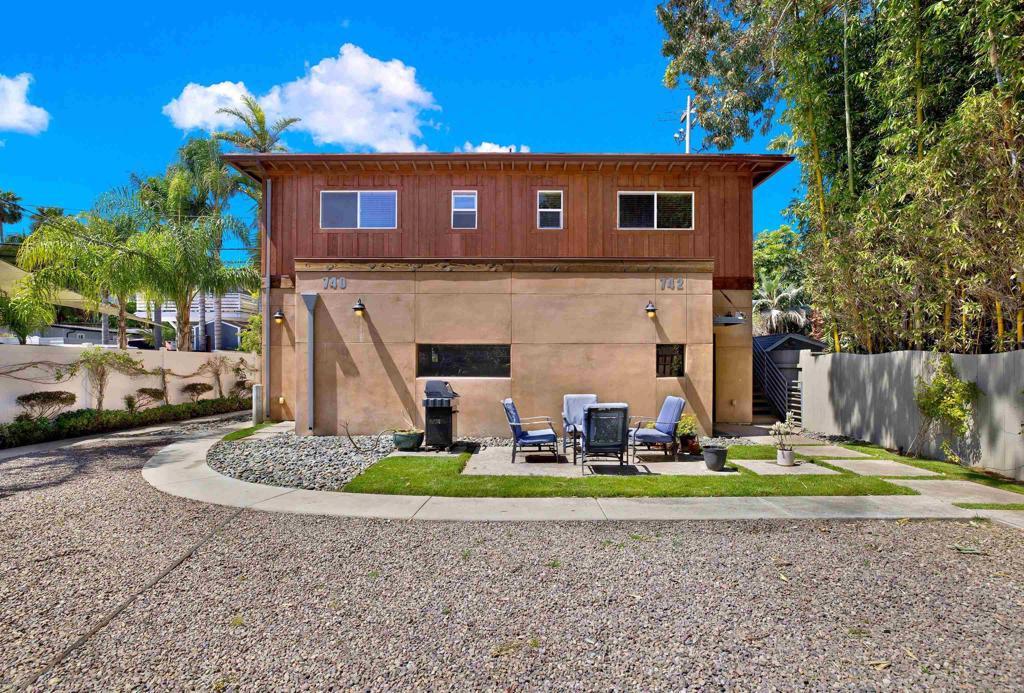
[783, 450]
[686, 431]
[408, 440]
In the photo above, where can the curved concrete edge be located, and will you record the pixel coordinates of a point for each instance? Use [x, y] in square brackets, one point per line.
[180, 469]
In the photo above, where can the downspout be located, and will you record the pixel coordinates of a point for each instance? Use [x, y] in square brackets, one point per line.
[310, 300]
[266, 300]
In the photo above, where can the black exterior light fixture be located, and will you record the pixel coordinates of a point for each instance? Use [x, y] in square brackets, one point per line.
[652, 311]
[278, 316]
[359, 308]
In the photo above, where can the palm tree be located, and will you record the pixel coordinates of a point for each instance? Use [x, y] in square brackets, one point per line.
[42, 215]
[24, 313]
[257, 137]
[11, 210]
[779, 304]
[90, 254]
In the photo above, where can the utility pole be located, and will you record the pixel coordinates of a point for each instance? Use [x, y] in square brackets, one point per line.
[683, 133]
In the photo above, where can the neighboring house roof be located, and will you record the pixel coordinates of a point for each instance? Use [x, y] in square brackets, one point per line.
[259, 166]
[96, 328]
[791, 341]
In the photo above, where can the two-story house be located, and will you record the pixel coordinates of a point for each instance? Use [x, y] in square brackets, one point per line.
[522, 275]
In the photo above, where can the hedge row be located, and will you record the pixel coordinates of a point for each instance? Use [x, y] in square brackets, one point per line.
[83, 422]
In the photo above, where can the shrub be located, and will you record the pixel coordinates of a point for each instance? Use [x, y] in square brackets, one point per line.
[44, 405]
[82, 422]
[946, 400]
[687, 427]
[98, 363]
[250, 337]
[131, 403]
[196, 390]
[146, 396]
[217, 366]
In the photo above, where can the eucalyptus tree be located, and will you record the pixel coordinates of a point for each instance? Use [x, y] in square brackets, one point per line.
[90, 254]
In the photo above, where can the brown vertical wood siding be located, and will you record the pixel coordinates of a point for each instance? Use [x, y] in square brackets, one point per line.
[506, 224]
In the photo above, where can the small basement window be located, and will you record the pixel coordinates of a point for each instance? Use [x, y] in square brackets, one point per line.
[656, 211]
[464, 209]
[670, 360]
[549, 209]
[463, 360]
[359, 209]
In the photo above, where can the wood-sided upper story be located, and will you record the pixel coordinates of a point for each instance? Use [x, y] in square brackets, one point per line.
[413, 207]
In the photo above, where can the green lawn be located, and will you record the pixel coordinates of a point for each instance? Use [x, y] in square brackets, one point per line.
[990, 506]
[950, 470]
[246, 432]
[442, 476]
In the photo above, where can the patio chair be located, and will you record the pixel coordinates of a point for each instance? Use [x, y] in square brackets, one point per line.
[664, 430]
[543, 438]
[605, 432]
[573, 408]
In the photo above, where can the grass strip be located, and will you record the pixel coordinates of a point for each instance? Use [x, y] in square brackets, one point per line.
[990, 506]
[442, 476]
[246, 432]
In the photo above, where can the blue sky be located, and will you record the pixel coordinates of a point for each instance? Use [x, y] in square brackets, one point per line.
[111, 83]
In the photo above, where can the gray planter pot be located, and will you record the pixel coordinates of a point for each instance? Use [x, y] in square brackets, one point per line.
[408, 442]
[714, 457]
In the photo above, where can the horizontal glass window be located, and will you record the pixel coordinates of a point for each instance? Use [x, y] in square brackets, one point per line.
[464, 209]
[671, 361]
[549, 209]
[359, 209]
[463, 360]
[656, 210]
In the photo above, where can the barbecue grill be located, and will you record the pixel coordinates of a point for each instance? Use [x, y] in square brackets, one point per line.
[440, 414]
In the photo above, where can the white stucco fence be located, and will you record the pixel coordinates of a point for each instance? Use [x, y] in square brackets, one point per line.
[871, 397]
[119, 385]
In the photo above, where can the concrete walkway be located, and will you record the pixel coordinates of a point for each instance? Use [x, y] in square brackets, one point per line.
[180, 469]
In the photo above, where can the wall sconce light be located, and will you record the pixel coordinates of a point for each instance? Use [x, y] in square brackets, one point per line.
[651, 310]
[280, 400]
[359, 308]
[278, 316]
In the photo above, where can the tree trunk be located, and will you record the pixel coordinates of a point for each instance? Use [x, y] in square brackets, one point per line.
[184, 325]
[202, 321]
[104, 323]
[158, 329]
[122, 324]
[218, 323]
[846, 104]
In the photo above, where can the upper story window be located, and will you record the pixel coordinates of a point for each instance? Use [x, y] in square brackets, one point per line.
[656, 211]
[359, 209]
[549, 209]
[464, 209]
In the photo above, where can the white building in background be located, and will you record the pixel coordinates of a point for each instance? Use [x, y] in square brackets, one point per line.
[236, 309]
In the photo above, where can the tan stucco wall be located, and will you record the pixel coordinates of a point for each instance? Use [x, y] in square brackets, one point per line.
[569, 332]
[734, 376]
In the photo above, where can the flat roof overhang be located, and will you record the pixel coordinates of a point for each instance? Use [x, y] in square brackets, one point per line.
[261, 166]
[483, 264]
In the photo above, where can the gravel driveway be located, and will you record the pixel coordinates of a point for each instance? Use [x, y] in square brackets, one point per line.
[297, 602]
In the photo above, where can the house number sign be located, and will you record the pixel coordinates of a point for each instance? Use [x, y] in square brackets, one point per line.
[672, 283]
[334, 281]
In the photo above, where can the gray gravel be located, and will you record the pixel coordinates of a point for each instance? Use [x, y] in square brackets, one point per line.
[277, 601]
[319, 463]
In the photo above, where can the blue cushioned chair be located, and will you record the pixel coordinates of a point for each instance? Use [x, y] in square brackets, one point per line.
[573, 407]
[664, 431]
[541, 437]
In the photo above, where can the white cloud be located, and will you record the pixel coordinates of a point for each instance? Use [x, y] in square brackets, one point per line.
[196, 106]
[353, 100]
[490, 147]
[16, 113]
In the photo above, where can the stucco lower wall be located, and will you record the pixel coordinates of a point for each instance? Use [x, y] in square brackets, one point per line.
[179, 362]
[569, 332]
[871, 397]
[734, 365]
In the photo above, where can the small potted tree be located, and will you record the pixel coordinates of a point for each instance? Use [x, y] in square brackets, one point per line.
[783, 450]
[686, 431]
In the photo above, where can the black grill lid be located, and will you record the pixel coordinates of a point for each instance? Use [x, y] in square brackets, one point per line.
[439, 389]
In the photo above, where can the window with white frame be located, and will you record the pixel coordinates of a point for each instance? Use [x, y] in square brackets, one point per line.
[464, 209]
[359, 209]
[656, 211]
[549, 209]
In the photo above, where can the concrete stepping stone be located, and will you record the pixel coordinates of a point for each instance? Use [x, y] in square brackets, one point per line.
[769, 468]
[792, 440]
[877, 467]
[828, 451]
[960, 491]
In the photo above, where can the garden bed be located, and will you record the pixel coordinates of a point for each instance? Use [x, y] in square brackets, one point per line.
[83, 422]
